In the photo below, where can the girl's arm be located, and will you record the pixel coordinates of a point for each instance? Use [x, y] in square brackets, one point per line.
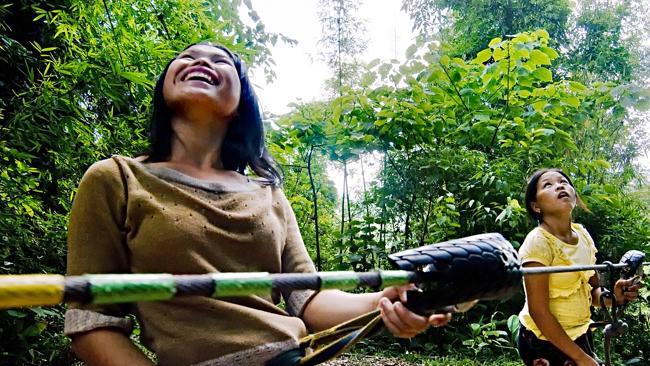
[332, 307]
[537, 294]
[107, 347]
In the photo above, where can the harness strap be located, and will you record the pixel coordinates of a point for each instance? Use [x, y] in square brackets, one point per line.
[336, 340]
[322, 346]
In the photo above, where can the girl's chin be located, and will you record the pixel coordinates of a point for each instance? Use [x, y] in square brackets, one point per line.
[566, 199]
[194, 101]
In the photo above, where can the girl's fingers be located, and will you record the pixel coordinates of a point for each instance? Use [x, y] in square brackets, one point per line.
[412, 320]
[402, 322]
[404, 290]
[393, 324]
[388, 313]
[438, 320]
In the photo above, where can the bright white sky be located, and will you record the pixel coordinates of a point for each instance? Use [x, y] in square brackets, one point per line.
[300, 72]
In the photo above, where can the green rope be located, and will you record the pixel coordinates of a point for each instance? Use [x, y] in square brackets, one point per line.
[131, 288]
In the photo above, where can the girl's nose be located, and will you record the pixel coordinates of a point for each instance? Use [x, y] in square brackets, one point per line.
[202, 61]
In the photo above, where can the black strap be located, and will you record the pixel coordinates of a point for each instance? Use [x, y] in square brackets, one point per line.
[322, 346]
[291, 357]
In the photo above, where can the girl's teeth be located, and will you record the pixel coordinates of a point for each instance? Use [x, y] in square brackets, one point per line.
[201, 75]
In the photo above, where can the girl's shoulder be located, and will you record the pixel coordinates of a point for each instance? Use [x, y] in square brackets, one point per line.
[537, 248]
[536, 237]
[105, 169]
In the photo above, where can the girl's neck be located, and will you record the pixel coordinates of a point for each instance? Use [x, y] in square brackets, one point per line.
[560, 227]
[197, 144]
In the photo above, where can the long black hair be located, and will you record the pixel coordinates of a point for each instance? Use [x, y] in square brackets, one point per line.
[244, 142]
[531, 192]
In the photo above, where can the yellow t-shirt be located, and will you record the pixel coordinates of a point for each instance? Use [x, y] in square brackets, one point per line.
[570, 292]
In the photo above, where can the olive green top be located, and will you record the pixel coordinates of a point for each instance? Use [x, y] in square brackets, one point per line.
[128, 217]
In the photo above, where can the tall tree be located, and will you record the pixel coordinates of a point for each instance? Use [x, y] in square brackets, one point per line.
[343, 40]
[606, 41]
[465, 26]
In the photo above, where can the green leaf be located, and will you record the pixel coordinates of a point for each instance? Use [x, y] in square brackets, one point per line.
[28, 209]
[411, 50]
[539, 57]
[543, 74]
[444, 60]
[522, 38]
[496, 333]
[43, 312]
[355, 258]
[16, 313]
[368, 78]
[384, 69]
[523, 93]
[541, 33]
[482, 117]
[522, 53]
[544, 131]
[539, 106]
[455, 76]
[34, 330]
[550, 52]
[138, 78]
[642, 105]
[602, 163]
[483, 56]
[513, 323]
[577, 87]
[571, 100]
[373, 63]
[494, 42]
[499, 54]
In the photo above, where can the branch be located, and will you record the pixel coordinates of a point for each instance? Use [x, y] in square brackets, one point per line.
[117, 43]
[455, 88]
[161, 19]
[505, 112]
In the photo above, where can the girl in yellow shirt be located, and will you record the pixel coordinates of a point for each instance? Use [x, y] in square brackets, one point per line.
[555, 319]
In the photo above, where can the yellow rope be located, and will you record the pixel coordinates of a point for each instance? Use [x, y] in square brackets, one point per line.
[30, 290]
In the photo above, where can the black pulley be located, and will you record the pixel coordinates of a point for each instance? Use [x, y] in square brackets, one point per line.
[480, 267]
[634, 261]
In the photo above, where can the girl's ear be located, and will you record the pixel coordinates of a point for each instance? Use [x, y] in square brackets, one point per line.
[535, 208]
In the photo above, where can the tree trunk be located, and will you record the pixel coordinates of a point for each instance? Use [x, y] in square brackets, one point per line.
[315, 200]
[407, 226]
[363, 180]
[340, 71]
[347, 194]
[343, 216]
[425, 228]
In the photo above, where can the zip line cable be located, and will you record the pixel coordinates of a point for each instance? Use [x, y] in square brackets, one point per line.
[479, 267]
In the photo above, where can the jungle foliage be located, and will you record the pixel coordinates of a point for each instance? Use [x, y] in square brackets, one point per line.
[77, 80]
[457, 128]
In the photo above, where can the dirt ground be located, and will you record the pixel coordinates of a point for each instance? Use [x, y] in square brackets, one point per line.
[357, 360]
